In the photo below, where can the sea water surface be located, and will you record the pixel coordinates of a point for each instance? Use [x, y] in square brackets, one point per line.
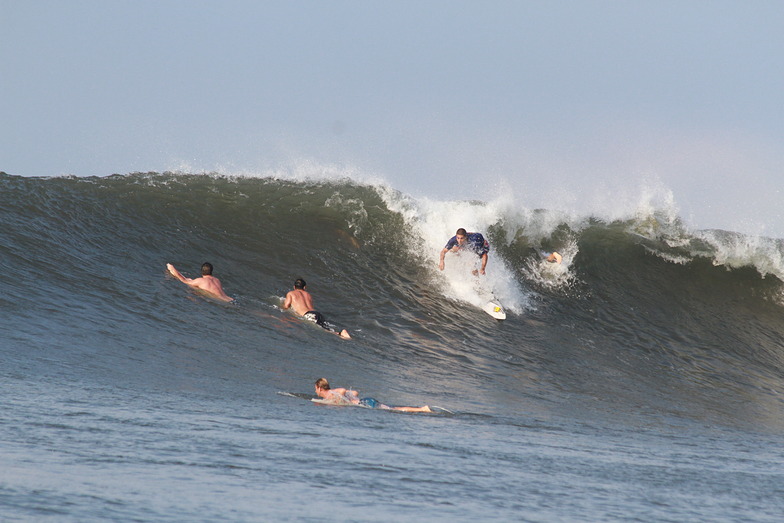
[641, 379]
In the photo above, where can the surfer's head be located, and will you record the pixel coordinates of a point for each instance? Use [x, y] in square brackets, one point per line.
[206, 269]
[461, 235]
[322, 384]
[299, 283]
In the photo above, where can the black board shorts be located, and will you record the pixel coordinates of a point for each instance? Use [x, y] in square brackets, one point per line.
[318, 318]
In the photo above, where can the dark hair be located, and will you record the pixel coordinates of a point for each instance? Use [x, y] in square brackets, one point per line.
[299, 283]
[461, 232]
[206, 269]
[322, 383]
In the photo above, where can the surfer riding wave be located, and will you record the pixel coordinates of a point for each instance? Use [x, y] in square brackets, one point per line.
[472, 241]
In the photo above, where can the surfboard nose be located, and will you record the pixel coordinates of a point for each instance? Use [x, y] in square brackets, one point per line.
[495, 310]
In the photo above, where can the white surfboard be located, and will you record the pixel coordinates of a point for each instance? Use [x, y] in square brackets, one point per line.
[495, 310]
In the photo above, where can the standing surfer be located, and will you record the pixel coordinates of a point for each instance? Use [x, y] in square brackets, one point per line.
[472, 241]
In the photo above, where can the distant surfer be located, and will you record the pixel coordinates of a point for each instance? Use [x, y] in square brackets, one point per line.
[472, 241]
[302, 302]
[553, 257]
[208, 283]
[341, 396]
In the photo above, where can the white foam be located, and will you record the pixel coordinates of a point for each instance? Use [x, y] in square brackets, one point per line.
[734, 250]
[433, 222]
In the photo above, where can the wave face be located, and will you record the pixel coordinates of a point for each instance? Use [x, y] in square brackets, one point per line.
[641, 312]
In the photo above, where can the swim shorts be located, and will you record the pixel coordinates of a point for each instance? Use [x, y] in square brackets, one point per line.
[369, 402]
[318, 318]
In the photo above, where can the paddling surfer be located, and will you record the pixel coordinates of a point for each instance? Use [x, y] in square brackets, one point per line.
[343, 396]
[302, 302]
[207, 283]
[472, 241]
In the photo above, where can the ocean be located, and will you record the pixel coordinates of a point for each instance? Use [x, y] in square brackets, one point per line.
[642, 379]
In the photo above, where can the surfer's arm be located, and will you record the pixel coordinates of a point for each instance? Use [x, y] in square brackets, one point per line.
[484, 263]
[286, 302]
[220, 293]
[351, 395]
[451, 245]
[174, 272]
[441, 258]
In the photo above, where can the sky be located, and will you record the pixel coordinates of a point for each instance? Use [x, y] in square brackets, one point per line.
[581, 106]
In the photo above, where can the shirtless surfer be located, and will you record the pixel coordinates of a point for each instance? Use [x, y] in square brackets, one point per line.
[554, 257]
[302, 302]
[343, 396]
[472, 241]
[208, 283]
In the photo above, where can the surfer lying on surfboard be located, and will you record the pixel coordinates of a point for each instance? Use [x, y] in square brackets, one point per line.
[207, 283]
[302, 302]
[341, 396]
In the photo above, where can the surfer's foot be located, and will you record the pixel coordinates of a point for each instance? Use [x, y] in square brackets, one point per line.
[344, 334]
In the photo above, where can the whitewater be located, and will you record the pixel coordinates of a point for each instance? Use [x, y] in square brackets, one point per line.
[640, 379]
